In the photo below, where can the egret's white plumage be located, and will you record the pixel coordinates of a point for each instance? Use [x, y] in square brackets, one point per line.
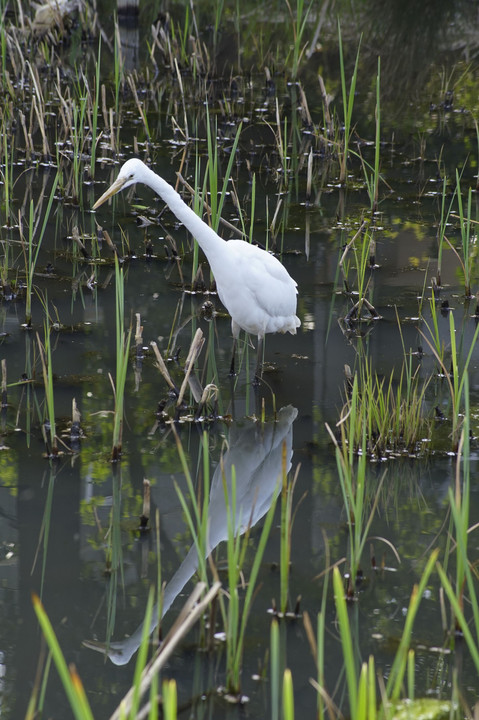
[252, 284]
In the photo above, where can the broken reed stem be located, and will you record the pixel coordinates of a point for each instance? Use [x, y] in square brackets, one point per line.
[138, 332]
[75, 431]
[79, 242]
[195, 349]
[191, 612]
[160, 363]
[145, 515]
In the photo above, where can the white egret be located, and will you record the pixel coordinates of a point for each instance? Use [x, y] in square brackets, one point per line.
[252, 284]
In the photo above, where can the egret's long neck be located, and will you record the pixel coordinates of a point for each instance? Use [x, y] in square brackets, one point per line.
[208, 240]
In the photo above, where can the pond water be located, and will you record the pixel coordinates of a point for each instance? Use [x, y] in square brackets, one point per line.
[69, 527]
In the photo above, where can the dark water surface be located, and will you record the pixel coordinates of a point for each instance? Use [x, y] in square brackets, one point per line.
[59, 520]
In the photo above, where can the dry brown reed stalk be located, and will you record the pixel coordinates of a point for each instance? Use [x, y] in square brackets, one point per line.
[138, 335]
[160, 363]
[309, 177]
[209, 396]
[29, 147]
[104, 108]
[303, 108]
[194, 351]
[192, 610]
[145, 514]
[77, 239]
[326, 100]
[109, 241]
[182, 92]
[139, 106]
[76, 418]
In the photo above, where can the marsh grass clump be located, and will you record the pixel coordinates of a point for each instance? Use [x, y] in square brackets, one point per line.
[388, 412]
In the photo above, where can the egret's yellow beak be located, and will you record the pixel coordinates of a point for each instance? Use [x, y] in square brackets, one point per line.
[112, 190]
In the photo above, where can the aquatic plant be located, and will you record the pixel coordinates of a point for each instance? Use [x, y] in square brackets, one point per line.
[30, 250]
[286, 527]
[353, 481]
[298, 24]
[372, 181]
[393, 420]
[93, 112]
[70, 680]
[348, 105]
[48, 425]
[122, 358]
[457, 375]
[275, 678]
[463, 593]
[468, 241]
[235, 618]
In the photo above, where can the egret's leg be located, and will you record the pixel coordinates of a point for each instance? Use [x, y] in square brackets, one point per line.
[232, 366]
[235, 331]
[259, 362]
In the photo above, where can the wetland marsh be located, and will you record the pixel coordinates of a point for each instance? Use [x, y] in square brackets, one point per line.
[343, 139]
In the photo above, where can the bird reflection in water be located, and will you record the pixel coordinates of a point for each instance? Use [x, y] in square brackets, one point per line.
[255, 451]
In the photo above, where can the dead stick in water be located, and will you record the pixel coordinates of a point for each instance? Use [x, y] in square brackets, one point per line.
[192, 610]
[160, 363]
[194, 351]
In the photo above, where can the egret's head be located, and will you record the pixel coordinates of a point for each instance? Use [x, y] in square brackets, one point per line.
[131, 172]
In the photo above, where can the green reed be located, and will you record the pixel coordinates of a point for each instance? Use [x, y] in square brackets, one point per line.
[31, 252]
[113, 553]
[286, 527]
[372, 181]
[183, 34]
[353, 481]
[361, 682]
[441, 229]
[349, 658]
[235, 617]
[398, 670]
[170, 702]
[79, 108]
[68, 675]
[466, 580]
[469, 248]
[275, 679]
[456, 376]
[142, 659]
[434, 340]
[348, 105]
[288, 695]
[298, 23]
[219, 7]
[217, 198]
[6, 173]
[94, 112]
[45, 351]
[392, 420]
[197, 518]
[122, 357]
[118, 76]
[73, 686]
